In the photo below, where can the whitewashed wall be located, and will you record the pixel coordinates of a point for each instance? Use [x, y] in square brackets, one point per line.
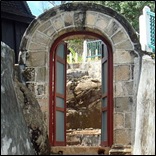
[145, 112]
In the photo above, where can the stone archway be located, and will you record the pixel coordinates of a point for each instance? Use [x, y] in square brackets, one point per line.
[72, 17]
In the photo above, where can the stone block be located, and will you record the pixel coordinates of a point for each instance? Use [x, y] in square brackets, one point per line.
[91, 18]
[119, 90]
[40, 89]
[119, 120]
[128, 120]
[68, 19]
[36, 46]
[123, 89]
[126, 45]
[79, 19]
[57, 22]
[112, 27]
[122, 72]
[119, 37]
[128, 88]
[121, 56]
[102, 21]
[120, 150]
[50, 31]
[40, 38]
[123, 104]
[36, 59]
[40, 74]
[44, 26]
[122, 136]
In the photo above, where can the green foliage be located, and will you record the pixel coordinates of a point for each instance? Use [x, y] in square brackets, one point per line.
[73, 52]
[76, 45]
[131, 10]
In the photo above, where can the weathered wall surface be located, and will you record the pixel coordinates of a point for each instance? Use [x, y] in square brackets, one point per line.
[15, 138]
[145, 112]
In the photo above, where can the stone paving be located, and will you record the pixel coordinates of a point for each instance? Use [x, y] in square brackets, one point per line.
[75, 150]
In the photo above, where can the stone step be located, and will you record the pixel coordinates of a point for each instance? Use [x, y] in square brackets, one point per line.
[71, 143]
[83, 139]
[120, 150]
[79, 150]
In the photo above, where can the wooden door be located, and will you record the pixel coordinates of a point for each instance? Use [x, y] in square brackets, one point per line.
[60, 95]
[104, 128]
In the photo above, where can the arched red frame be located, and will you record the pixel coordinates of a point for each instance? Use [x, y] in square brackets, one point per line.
[110, 84]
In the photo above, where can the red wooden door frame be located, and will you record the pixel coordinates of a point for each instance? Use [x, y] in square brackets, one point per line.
[52, 95]
[62, 61]
[110, 83]
[108, 59]
[104, 105]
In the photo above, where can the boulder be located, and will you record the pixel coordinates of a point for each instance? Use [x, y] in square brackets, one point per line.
[15, 138]
[83, 102]
[23, 129]
[34, 119]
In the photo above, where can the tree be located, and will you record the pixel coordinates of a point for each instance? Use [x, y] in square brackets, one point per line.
[131, 10]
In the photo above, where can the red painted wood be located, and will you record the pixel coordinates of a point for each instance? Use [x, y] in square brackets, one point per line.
[59, 109]
[105, 93]
[51, 127]
[56, 108]
[110, 97]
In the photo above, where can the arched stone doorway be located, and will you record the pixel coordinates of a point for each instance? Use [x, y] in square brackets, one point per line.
[108, 25]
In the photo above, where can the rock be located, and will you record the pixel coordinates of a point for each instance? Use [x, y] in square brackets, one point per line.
[34, 119]
[15, 139]
[76, 73]
[23, 130]
[83, 96]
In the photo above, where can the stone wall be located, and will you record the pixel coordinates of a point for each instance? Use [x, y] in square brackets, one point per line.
[123, 96]
[145, 112]
[66, 20]
[119, 37]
